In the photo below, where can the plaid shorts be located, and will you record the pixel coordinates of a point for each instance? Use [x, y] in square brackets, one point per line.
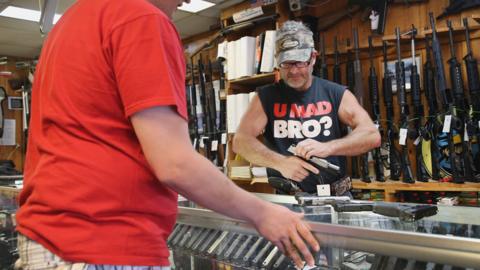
[34, 256]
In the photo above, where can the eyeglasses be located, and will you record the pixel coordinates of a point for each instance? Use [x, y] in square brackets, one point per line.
[287, 65]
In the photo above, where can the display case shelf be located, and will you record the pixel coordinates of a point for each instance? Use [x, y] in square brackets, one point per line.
[391, 187]
[255, 80]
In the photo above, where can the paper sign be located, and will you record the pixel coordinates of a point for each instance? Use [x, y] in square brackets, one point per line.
[417, 140]
[446, 123]
[402, 140]
[224, 138]
[465, 134]
[215, 145]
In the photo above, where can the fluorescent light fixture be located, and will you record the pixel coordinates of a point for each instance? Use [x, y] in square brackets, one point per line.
[195, 6]
[25, 14]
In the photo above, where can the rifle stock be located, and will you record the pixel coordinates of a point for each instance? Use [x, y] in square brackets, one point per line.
[417, 133]
[337, 74]
[323, 67]
[349, 71]
[431, 126]
[204, 136]
[404, 111]
[447, 103]
[393, 154]
[192, 94]
[474, 90]
[357, 69]
[460, 111]
[373, 85]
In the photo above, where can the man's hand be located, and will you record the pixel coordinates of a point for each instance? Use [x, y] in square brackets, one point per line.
[295, 168]
[311, 148]
[288, 232]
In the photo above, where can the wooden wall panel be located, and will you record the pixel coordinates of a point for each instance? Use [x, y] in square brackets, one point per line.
[15, 153]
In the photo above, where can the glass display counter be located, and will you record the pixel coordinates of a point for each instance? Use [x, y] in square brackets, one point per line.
[205, 240]
[450, 239]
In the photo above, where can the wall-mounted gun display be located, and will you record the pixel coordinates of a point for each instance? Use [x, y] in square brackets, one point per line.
[207, 112]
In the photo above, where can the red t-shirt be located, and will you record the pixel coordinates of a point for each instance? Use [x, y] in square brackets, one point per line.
[89, 194]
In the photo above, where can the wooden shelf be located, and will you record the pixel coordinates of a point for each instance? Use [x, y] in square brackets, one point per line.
[391, 187]
[240, 179]
[362, 47]
[252, 181]
[259, 185]
[441, 30]
[256, 80]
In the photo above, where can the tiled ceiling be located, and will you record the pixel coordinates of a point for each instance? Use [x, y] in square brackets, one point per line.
[23, 39]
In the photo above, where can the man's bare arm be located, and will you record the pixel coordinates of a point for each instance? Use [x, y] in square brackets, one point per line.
[364, 135]
[246, 144]
[165, 141]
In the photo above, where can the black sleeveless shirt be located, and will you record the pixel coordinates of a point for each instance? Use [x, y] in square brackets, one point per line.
[294, 116]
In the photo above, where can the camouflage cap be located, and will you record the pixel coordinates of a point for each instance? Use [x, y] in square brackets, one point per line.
[294, 42]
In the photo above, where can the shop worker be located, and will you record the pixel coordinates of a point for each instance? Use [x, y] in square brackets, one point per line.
[305, 111]
[109, 147]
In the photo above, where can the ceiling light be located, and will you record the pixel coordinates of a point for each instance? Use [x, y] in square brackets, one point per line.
[25, 14]
[195, 6]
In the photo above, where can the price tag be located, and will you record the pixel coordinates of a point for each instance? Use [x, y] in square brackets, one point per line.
[377, 126]
[402, 140]
[478, 124]
[224, 138]
[417, 140]
[195, 143]
[323, 190]
[465, 134]
[446, 123]
[214, 145]
[202, 141]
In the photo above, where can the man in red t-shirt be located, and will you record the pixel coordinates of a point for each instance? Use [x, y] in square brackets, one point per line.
[109, 146]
